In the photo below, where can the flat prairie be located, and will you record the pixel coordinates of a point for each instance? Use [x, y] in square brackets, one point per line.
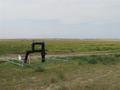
[70, 65]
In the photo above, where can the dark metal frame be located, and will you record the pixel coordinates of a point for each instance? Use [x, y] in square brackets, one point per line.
[42, 51]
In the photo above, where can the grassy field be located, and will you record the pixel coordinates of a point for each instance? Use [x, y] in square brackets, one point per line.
[59, 46]
[63, 73]
[76, 72]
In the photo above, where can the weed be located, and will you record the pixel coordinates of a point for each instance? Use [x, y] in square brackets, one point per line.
[39, 68]
[63, 87]
[61, 76]
[53, 79]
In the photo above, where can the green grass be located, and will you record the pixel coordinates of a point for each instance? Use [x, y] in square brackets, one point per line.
[87, 72]
[63, 73]
[60, 46]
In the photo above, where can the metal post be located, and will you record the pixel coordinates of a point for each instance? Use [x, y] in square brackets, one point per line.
[43, 52]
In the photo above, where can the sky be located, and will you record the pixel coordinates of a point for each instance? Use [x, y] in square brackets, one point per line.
[80, 19]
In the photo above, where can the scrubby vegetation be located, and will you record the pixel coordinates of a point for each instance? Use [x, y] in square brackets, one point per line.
[92, 65]
[59, 46]
[63, 73]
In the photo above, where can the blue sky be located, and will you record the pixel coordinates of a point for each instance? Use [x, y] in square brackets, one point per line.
[60, 19]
